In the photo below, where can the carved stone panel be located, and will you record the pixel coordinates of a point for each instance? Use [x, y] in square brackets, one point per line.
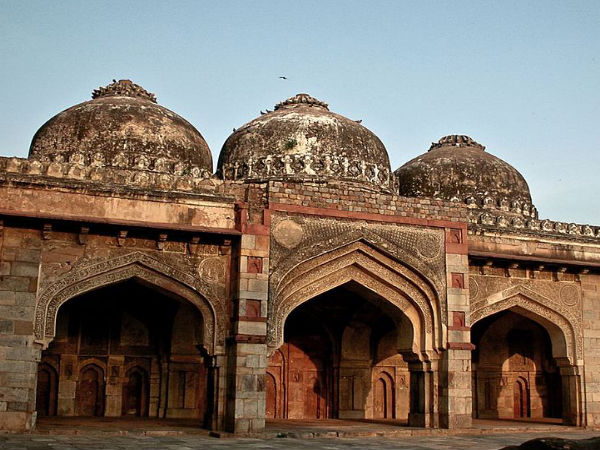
[298, 238]
[555, 301]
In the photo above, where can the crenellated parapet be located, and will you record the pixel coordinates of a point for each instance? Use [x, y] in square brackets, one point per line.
[139, 172]
[302, 166]
[495, 219]
[502, 205]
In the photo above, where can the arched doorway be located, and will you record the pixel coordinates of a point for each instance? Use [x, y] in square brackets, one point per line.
[521, 398]
[340, 359]
[515, 374]
[47, 390]
[384, 404]
[135, 393]
[90, 391]
[272, 407]
[128, 349]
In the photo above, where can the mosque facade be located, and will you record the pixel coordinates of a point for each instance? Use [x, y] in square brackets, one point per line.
[304, 279]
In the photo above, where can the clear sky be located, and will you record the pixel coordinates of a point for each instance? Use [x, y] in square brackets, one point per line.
[521, 77]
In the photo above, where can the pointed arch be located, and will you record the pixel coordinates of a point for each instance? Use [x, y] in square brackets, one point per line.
[134, 265]
[400, 288]
[564, 334]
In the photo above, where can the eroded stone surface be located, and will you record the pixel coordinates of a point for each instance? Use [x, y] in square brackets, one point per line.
[121, 126]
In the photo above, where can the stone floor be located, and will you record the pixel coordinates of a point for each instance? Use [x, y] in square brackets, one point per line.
[106, 433]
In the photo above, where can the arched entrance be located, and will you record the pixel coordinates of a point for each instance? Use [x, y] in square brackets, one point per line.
[515, 373]
[340, 359]
[127, 349]
[378, 314]
[89, 399]
[47, 390]
[384, 398]
[135, 393]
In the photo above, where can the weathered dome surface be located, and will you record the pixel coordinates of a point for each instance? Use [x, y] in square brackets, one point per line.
[458, 168]
[302, 140]
[122, 126]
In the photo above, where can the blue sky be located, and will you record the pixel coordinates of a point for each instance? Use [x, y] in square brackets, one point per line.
[521, 77]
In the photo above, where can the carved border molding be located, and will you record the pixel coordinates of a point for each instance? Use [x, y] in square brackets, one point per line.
[304, 166]
[103, 272]
[484, 220]
[140, 172]
[418, 250]
[565, 331]
[403, 289]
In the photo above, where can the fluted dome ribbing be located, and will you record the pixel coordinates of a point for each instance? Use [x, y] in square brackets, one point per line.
[302, 140]
[457, 167]
[119, 125]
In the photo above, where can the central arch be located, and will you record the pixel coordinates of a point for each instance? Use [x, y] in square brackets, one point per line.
[402, 288]
[366, 365]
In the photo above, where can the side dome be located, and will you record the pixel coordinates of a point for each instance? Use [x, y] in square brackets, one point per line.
[301, 140]
[458, 168]
[122, 126]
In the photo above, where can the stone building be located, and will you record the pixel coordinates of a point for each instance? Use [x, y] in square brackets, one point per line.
[303, 280]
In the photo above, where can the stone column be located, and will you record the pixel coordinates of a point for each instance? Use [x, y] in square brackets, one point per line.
[456, 393]
[115, 378]
[571, 397]
[247, 362]
[419, 395]
[67, 384]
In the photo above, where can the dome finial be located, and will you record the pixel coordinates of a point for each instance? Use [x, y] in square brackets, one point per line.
[456, 140]
[301, 99]
[126, 88]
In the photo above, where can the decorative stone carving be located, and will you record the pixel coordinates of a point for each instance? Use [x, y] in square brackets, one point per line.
[288, 234]
[77, 158]
[298, 166]
[420, 249]
[548, 300]
[162, 165]
[212, 270]
[97, 160]
[91, 274]
[120, 160]
[142, 162]
[487, 219]
[405, 289]
[429, 245]
[569, 294]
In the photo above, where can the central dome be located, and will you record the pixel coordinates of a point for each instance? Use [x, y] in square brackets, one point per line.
[302, 140]
[122, 126]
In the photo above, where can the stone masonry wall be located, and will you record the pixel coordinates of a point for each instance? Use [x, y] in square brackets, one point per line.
[19, 268]
[456, 407]
[590, 287]
[354, 199]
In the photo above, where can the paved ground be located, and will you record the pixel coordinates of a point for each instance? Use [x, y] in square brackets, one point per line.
[132, 435]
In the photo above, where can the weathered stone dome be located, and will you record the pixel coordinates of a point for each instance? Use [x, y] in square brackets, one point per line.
[302, 140]
[458, 168]
[122, 126]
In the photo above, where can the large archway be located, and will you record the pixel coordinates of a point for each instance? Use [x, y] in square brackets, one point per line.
[403, 297]
[524, 366]
[127, 349]
[340, 359]
[515, 375]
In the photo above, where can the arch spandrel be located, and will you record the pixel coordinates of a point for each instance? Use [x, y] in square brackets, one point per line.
[134, 265]
[403, 289]
[297, 239]
[565, 335]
